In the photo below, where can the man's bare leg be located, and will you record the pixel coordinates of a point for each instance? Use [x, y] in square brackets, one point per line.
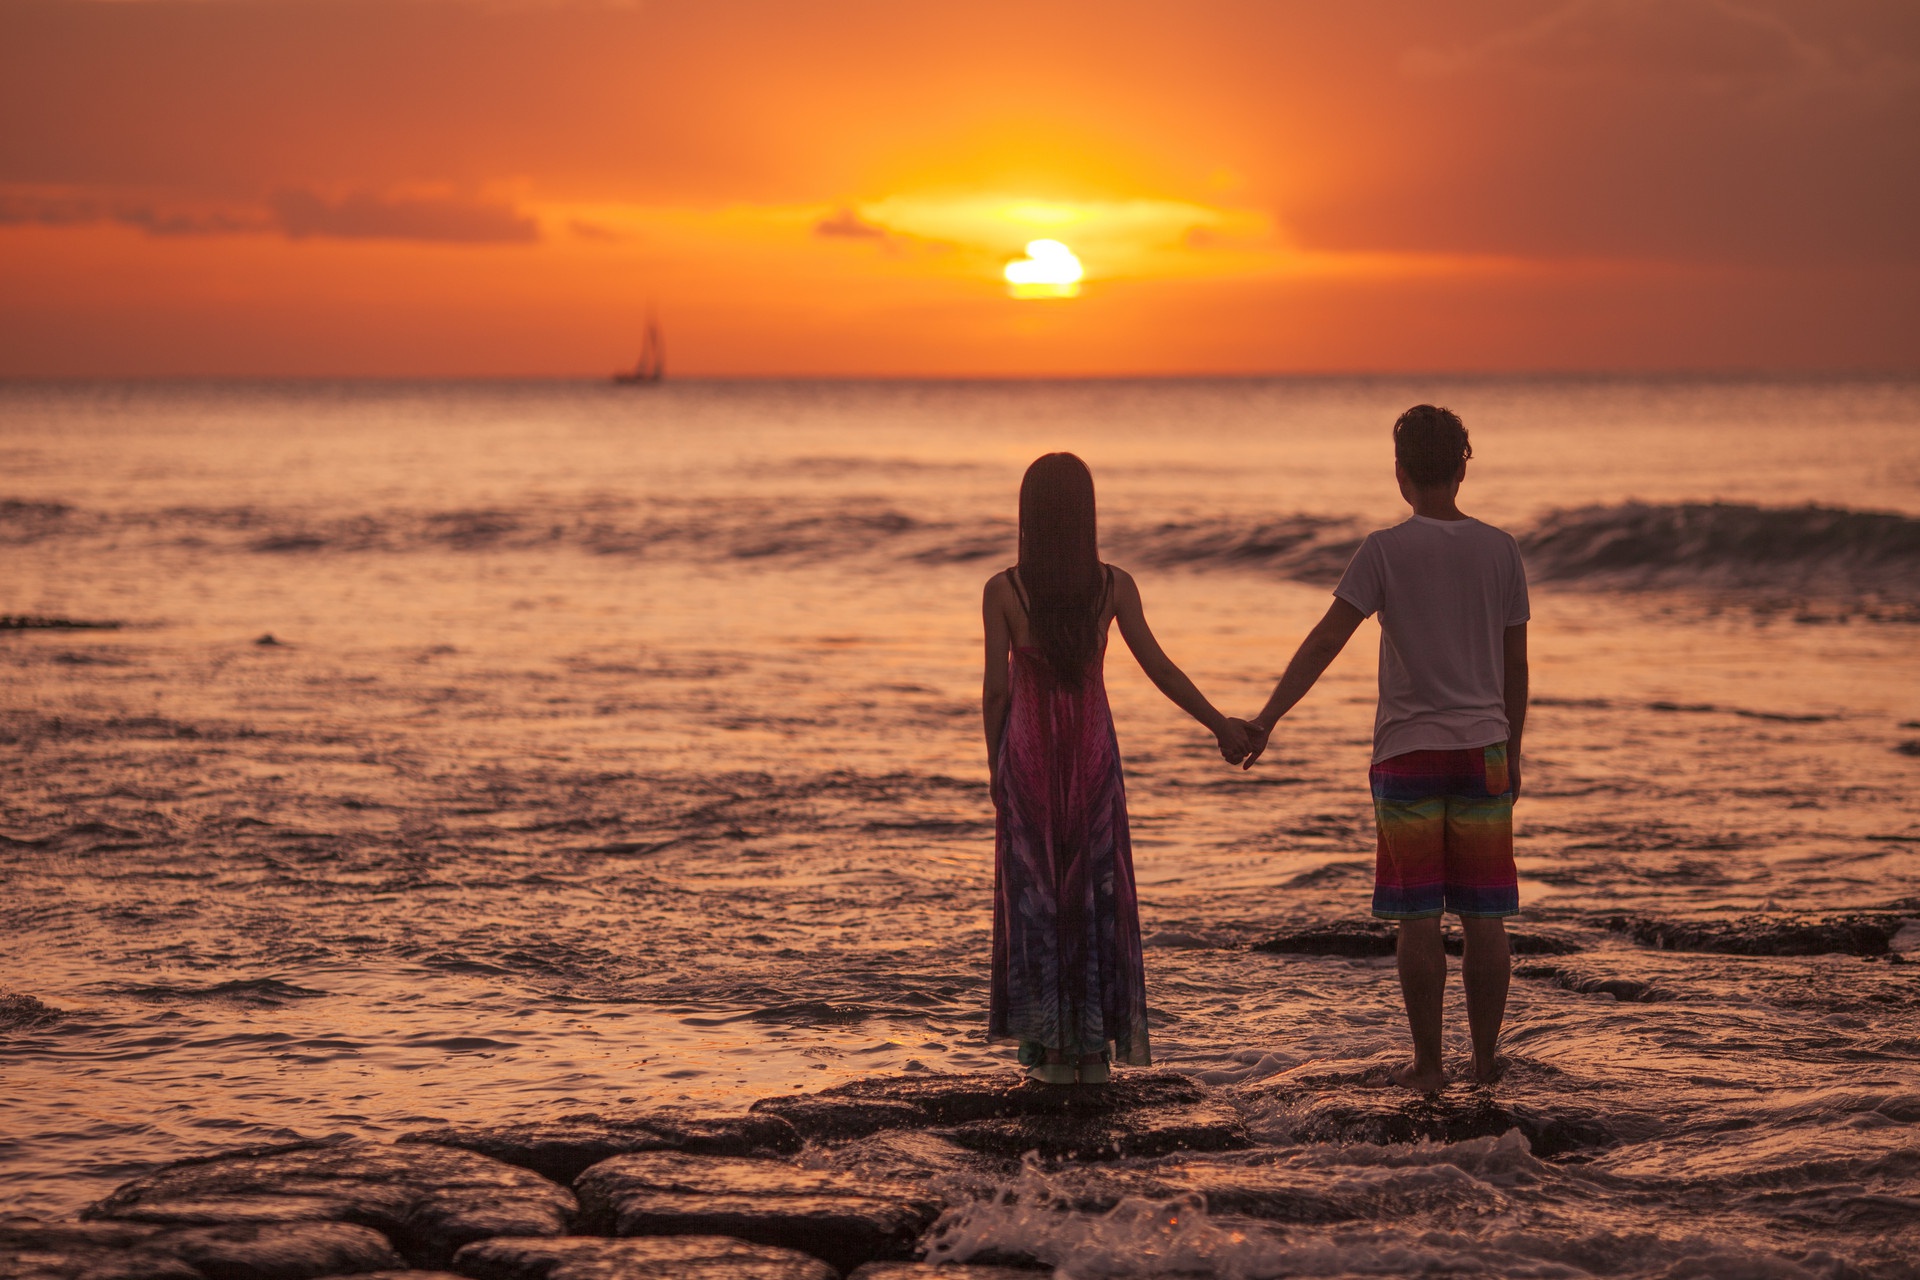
[1423, 982]
[1485, 968]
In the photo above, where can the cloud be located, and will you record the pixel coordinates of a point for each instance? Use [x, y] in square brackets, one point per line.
[66, 209]
[844, 222]
[363, 215]
[585, 230]
[30, 209]
[1706, 43]
[1113, 237]
[295, 213]
[158, 221]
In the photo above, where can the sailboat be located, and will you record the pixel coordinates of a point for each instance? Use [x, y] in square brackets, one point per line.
[652, 364]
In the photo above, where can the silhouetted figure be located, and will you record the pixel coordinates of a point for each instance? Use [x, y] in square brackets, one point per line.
[1452, 598]
[1068, 982]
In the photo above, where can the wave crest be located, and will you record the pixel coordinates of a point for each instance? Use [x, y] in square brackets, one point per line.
[1737, 544]
[1811, 550]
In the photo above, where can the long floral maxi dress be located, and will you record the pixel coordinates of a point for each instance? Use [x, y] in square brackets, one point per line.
[1067, 972]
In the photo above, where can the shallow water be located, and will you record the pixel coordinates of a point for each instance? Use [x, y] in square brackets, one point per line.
[621, 748]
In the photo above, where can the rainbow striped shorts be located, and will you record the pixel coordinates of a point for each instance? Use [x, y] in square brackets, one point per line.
[1446, 834]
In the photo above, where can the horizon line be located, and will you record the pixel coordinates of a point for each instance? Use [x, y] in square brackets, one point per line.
[1724, 372]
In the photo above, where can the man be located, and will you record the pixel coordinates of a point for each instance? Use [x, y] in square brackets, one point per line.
[1452, 598]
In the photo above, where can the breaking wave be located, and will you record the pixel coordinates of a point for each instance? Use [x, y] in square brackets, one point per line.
[1806, 550]
[1742, 545]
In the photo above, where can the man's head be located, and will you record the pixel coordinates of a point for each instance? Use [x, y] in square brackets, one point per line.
[1430, 448]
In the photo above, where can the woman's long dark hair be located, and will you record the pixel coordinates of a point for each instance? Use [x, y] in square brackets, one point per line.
[1060, 563]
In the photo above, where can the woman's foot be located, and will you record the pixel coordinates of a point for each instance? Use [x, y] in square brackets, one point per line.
[1051, 1072]
[1489, 1071]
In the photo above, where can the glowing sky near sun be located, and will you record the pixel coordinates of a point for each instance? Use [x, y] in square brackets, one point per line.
[471, 186]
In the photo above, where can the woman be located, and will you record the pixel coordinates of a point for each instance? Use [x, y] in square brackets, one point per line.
[1068, 983]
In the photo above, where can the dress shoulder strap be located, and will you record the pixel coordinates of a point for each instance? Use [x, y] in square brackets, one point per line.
[1019, 591]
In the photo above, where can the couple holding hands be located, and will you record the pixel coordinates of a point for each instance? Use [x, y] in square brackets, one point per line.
[1068, 982]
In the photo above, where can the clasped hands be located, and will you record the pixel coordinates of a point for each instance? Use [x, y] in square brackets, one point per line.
[1241, 741]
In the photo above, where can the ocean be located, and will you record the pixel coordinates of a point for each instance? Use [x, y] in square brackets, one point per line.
[470, 752]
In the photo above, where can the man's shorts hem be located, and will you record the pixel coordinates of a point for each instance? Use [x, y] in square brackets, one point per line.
[1445, 835]
[1437, 912]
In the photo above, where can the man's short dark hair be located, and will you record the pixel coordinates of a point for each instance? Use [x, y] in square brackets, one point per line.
[1430, 443]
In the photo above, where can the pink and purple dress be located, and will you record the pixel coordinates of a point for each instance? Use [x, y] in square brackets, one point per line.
[1067, 972]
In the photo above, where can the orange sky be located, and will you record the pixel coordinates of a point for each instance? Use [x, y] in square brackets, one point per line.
[504, 186]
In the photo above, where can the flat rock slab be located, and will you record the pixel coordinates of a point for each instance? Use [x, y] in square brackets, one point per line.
[1108, 1135]
[843, 1119]
[1348, 938]
[1147, 1113]
[843, 1220]
[1286, 1192]
[1386, 1116]
[426, 1200]
[564, 1148]
[655, 1258]
[1533, 942]
[290, 1251]
[1360, 938]
[1584, 981]
[113, 1251]
[929, 1271]
[908, 1156]
[93, 1250]
[1759, 935]
[862, 1107]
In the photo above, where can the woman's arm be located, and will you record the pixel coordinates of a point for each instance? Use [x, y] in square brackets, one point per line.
[1169, 679]
[993, 685]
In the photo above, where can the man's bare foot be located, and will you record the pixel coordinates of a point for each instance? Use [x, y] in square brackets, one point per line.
[1420, 1077]
[1488, 1072]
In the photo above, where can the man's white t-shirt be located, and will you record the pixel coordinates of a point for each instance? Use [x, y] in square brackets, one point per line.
[1446, 591]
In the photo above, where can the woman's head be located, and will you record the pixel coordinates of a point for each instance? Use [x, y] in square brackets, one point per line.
[1060, 562]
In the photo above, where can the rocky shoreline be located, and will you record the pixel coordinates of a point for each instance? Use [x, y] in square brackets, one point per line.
[851, 1181]
[875, 1178]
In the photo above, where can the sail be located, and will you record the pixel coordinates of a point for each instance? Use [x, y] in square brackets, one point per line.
[652, 364]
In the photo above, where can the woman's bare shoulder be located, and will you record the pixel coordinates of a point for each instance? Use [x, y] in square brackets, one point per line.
[1000, 586]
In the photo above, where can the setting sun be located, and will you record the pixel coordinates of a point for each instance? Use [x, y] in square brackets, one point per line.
[1048, 271]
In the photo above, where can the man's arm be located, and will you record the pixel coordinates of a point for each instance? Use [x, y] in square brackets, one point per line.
[1322, 645]
[1514, 646]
